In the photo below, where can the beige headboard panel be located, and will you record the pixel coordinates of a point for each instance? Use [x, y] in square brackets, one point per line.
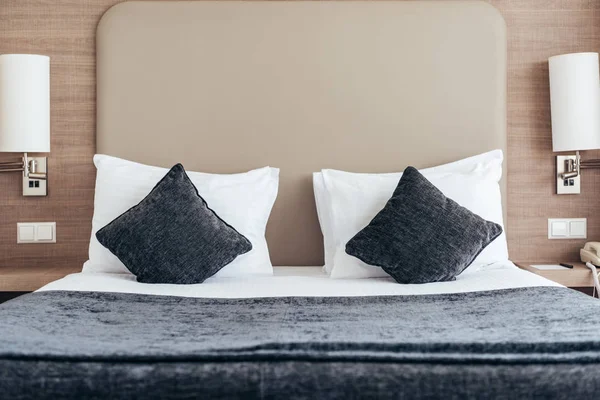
[360, 86]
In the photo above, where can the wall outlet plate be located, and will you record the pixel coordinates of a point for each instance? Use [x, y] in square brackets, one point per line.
[566, 186]
[37, 187]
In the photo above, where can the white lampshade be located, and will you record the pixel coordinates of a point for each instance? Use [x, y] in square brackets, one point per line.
[24, 103]
[575, 101]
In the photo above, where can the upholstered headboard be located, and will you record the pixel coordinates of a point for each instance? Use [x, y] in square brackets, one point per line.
[360, 86]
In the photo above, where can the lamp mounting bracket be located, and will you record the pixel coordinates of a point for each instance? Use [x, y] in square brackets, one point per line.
[35, 174]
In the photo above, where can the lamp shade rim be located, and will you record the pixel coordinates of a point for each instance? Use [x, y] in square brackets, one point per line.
[15, 55]
[583, 53]
[574, 148]
[45, 149]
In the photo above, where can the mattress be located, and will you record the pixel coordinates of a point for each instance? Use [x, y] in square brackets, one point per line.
[495, 333]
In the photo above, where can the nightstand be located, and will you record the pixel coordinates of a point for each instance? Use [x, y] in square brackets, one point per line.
[580, 277]
[17, 281]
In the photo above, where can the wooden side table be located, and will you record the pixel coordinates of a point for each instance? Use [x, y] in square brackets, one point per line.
[580, 277]
[16, 281]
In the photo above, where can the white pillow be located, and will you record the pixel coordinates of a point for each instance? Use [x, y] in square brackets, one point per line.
[475, 164]
[324, 215]
[353, 199]
[242, 200]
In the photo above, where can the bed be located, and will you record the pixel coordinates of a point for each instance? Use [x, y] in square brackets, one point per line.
[370, 87]
[300, 334]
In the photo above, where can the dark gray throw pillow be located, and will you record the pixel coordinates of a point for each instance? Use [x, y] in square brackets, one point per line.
[421, 235]
[172, 236]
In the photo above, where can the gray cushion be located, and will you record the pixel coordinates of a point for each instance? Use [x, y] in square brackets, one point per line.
[172, 236]
[421, 235]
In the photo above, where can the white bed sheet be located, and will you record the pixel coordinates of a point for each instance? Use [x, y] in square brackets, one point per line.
[302, 281]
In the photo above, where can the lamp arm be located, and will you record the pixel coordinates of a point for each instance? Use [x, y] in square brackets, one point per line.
[11, 170]
[11, 166]
[28, 167]
[572, 168]
[595, 163]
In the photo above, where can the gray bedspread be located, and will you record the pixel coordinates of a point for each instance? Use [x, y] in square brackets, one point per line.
[518, 343]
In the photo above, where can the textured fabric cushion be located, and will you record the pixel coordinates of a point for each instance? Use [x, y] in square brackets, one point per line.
[421, 235]
[172, 236]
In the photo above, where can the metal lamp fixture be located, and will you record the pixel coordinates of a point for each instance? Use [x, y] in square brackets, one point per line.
[25, 117]
[575, 103]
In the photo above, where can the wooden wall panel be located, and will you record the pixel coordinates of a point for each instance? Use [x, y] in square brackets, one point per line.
[65, 30]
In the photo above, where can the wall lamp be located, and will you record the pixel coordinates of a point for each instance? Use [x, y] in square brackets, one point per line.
[575, 104]
[25, 117]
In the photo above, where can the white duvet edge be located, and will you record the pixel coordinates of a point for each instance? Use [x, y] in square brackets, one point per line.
[302, 282]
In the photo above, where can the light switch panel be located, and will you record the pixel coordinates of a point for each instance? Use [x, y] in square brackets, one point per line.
[567, 228]
[36, 232]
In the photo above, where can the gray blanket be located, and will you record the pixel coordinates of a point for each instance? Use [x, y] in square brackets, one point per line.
[533, 342]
